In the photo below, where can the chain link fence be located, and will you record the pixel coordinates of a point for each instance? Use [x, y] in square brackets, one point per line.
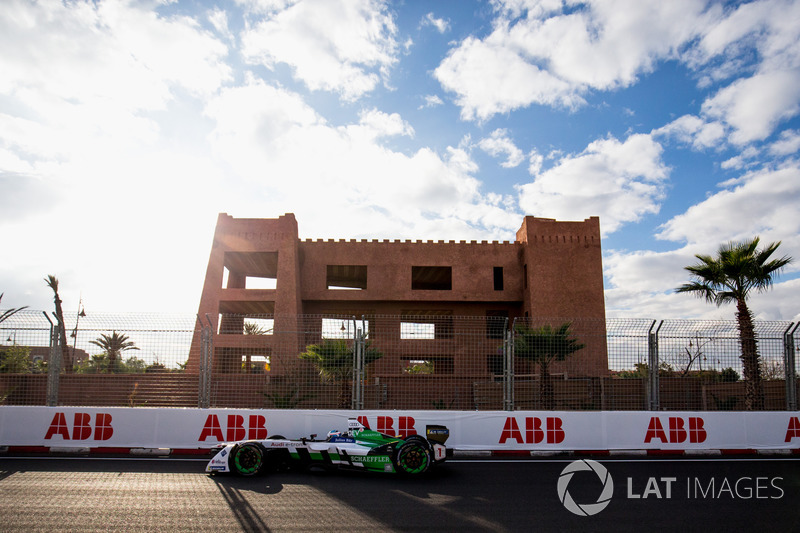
[417, 360]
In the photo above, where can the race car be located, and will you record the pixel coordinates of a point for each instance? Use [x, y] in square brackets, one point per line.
[357, 448]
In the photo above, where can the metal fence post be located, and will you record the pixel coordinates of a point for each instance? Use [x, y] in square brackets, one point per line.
[508, 368]
[204, 389]
[53, 365]
[789, 367]
[359, 348]
[652, 367]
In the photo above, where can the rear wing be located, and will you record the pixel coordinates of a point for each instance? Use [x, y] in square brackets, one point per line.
[437, 434]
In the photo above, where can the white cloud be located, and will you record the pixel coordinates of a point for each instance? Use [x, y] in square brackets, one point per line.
[754, 106]
[460, 156]
[265, 6]
[286, 152]
[489, 78]
[746, 111]
[745, 158]
[553, 58]
[693, 130]
[82, 150]
[768, 26]
[499, 144]
[441, 25]
[760, 203]
[535, 162]
[219, 19]
[618, 181]
[89, 74]
[787, 144]
[643, 283]
[374, 124]
[431, 100]
[112, 52]
[762, 41]
[554, 54]
[345, 46]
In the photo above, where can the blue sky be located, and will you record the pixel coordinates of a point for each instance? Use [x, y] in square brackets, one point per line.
[126, 126]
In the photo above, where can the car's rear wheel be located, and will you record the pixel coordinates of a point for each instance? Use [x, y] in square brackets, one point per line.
[412, 458]
[248, 459]
[422, 441]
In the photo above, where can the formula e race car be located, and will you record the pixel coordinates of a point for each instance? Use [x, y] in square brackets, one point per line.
[358, 448]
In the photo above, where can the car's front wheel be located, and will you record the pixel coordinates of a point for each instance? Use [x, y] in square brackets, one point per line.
[412, 458]
[248, 458]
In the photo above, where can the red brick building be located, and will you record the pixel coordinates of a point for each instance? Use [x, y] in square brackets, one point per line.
[552, 270]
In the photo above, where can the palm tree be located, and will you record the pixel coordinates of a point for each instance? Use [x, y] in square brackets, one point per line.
[114, 345]
[334, 359]
[544, 345]
[52, 282]
[738, 269]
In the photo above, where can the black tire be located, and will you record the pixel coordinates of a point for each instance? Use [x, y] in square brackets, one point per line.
[412, 458]
[422, 441]
[247, 459]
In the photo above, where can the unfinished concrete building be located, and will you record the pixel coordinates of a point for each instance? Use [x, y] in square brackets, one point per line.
[413, 295]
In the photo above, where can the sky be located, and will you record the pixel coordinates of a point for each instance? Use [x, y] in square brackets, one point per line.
[126, 126]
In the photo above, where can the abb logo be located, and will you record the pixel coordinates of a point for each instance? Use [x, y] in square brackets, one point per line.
[677, 430]
[385, 424]
[552, 433]
[793, 430]
[235, 428]
[81, 427]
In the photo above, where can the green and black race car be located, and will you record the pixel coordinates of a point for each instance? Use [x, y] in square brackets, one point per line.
[358, 448]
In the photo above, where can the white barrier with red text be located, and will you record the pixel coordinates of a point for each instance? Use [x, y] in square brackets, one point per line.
[65, 427]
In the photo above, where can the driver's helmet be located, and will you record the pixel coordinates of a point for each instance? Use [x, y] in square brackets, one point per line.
[334, 433]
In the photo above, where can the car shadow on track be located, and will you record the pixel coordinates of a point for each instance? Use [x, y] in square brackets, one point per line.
[231, 488]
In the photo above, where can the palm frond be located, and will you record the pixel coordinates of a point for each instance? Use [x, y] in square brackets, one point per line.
[8, 313]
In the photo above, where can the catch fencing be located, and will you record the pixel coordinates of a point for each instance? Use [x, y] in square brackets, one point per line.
[417, 361]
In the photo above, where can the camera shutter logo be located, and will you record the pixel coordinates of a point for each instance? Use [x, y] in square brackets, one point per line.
[586, 509]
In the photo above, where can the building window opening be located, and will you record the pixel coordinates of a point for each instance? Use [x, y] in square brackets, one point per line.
[415, 330]
[258, 282]
[428, 365]
[225, 274]
[250, 270]
[259, 326]
[343, 328]
[346, 277]
[419, 366]
[236, 323]
[255, 364]
[498, 278]
[431, 278]
[428, 326]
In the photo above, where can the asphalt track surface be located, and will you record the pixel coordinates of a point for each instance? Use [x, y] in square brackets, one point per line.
[648, 494]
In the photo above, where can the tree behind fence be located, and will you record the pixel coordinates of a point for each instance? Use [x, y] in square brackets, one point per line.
[429, 361]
